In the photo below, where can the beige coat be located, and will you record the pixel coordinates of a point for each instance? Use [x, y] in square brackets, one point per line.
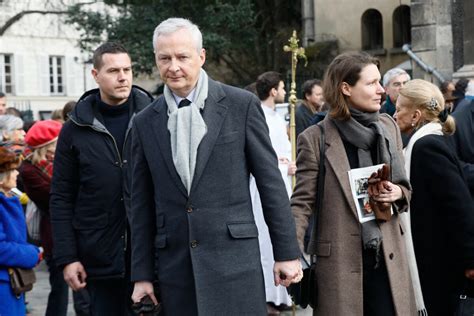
[338, 244]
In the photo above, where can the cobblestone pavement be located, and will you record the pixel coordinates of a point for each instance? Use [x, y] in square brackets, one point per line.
[38, 297]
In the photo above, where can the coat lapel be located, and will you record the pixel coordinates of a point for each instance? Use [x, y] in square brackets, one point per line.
[160, 128]
[213, 114]
[337, 157]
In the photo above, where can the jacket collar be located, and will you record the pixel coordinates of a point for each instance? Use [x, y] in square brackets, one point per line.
[84, 112]
[213, 114]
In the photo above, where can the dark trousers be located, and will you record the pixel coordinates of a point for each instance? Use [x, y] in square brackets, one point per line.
[110, 297]
[376, 286]
[58, 296]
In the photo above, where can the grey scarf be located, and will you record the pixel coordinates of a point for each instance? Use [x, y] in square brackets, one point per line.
[364, 130]
[187, 128]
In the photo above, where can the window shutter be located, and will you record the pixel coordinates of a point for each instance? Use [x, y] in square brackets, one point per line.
[19, 75]
[2, 74]
[43, 75]
[73, 75]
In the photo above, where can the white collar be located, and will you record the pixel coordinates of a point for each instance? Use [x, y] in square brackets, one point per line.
[190, 96]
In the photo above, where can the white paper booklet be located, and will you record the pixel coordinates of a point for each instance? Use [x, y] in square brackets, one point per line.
[358, 179]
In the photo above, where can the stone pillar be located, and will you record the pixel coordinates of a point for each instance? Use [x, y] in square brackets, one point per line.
[431, 37]
[307, 13]
[463, 33]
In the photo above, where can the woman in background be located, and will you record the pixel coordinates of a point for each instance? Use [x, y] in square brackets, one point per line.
[12, 133]
[14, 249]
[441, 210]
[36, 172]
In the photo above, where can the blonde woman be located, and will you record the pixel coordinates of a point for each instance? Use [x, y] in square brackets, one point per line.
[36, 172]
[441, 209]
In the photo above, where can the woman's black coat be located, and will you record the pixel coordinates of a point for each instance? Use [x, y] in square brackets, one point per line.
[442, 220]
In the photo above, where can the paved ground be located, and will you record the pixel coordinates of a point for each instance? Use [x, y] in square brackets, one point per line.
[38, 297]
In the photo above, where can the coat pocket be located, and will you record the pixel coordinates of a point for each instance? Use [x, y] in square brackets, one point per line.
[95, 240]
[243, 230]
[323, 249]
[227, 138]
[93, 220]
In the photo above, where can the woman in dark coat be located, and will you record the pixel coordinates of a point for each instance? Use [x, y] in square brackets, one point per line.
[441, 209]
[36, 172]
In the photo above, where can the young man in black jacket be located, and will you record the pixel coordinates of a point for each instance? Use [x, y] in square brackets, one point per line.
[89, 193]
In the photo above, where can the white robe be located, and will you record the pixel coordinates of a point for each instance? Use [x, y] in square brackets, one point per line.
[281, 145]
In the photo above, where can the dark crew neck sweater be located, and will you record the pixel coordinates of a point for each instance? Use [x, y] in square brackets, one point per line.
[115, 119]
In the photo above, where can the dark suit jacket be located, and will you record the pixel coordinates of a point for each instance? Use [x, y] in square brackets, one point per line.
[205, 243]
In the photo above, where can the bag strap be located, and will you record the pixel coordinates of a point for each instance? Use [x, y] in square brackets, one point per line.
[320, 189]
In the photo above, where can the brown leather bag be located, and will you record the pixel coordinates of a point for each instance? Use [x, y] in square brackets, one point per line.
[21, 280]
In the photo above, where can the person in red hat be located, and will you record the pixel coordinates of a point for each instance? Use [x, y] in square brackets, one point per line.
[15, 252]
[36, 173]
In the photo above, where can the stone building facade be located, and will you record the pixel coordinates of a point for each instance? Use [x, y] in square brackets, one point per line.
[443, 37]
[379, 27]
[41, 65]
[441, 32]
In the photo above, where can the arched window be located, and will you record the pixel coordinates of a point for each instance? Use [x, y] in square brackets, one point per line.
[372, 30]
[401, 26]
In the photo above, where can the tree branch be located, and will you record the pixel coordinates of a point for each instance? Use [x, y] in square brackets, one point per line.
[21, 14]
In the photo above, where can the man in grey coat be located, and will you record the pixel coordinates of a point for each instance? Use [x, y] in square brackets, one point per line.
[191, 217]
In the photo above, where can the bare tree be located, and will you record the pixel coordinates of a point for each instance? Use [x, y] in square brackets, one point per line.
[56, 7]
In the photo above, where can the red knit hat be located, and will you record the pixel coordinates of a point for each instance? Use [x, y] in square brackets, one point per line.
[43, 133]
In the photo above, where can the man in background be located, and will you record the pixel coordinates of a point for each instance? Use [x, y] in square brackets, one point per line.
[89, 193]
[393, 80]
[313, 101]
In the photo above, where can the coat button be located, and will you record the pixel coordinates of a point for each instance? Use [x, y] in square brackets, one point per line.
[189, 209]
[194, 244]
[390, 256]
[116, 163]
[125, 161]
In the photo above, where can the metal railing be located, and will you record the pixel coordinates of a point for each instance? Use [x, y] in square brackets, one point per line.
[427, 68]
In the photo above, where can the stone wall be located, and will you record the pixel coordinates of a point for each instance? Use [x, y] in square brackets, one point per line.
[432, 39]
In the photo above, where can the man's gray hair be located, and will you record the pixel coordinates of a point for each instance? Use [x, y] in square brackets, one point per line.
[172, 25]
[392, 73]
[9, 123]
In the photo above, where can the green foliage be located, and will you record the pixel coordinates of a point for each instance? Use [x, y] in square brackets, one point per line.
[242, 37]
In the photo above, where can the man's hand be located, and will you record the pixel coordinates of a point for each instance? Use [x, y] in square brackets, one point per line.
[75, 275]
[142, 289]
[287, 272]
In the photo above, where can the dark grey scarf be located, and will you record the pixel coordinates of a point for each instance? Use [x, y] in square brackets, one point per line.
[364, 130]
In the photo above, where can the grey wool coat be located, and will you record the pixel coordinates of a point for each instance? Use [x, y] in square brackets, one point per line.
[204, 245]
[338, 244]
